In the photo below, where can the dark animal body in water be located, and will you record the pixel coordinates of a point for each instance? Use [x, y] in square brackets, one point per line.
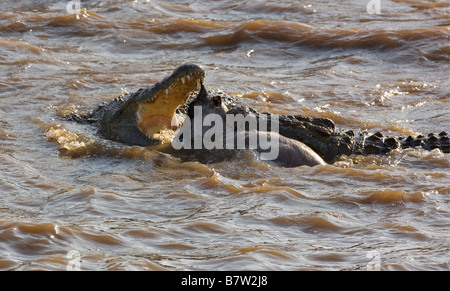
[269, 145]
[140, 118]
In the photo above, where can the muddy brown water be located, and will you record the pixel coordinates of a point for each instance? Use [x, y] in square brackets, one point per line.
[67, 194]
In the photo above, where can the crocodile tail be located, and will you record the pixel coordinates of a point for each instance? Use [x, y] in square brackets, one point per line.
[379, 144]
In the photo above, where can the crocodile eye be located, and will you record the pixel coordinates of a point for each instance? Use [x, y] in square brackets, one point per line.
[216, 101]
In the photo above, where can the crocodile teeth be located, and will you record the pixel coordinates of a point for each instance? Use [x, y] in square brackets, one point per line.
[174, 122]
[182, 80]
[139, 118]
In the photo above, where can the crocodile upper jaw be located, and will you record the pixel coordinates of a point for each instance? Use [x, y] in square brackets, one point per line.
[156, 111]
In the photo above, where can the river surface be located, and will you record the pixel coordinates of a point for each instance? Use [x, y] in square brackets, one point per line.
[72, 200]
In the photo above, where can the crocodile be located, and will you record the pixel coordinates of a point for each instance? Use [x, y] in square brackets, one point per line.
[330, 143]
[142, 118]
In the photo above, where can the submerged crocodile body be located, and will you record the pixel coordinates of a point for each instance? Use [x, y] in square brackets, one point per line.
[321, 135]
[141, 117]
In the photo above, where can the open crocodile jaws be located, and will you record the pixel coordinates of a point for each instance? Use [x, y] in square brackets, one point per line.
[148, 113]
[156, 107]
